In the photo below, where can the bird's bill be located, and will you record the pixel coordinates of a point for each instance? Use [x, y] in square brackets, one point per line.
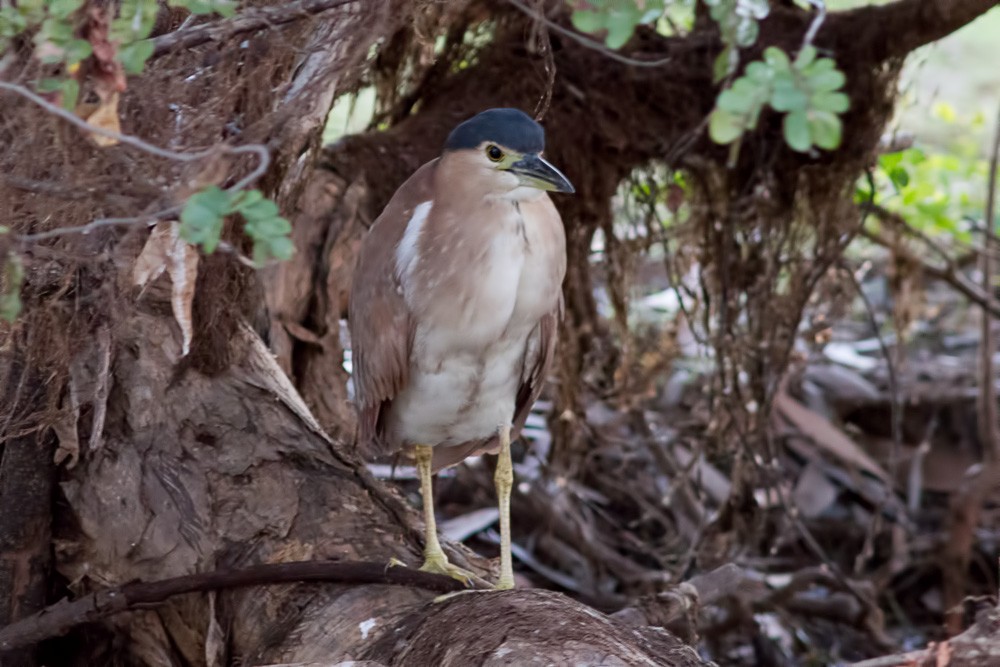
[535, 172]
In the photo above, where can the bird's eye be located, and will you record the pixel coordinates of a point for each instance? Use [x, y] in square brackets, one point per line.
[494, 153]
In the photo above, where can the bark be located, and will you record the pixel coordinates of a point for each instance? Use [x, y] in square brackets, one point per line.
[27, 477]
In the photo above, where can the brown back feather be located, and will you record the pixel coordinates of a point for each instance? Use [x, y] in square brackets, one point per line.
[378, 316]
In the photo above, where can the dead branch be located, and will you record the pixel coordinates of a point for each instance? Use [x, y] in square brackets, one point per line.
[989, 430]
[949, 273]
[906, 25]
[248, 21]
[61, 617]
[976, 647]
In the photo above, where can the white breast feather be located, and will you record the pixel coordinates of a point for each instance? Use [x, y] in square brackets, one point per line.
[406, 252]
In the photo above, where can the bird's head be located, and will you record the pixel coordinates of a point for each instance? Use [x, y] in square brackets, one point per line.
[502, 149]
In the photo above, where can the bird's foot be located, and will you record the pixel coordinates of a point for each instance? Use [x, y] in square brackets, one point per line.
[440, 565]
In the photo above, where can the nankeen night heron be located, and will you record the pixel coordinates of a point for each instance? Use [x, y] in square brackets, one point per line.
[454, 308]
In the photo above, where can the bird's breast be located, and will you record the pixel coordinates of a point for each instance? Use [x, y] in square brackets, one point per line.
[482, 281]
[477, 289]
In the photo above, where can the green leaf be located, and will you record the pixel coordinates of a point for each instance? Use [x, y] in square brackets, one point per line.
[825, 129]
[70, 93]
[826, 81]
[280, 248]
[746, 32]
[133, 56]
[724, 127]
[76, 50]
[48, 85]
[786, 98]
[135, 20]
[758, 9]
[759, 72]
[806, 56]
[244, 197]
[821, 65]
[56, 30]
[900, 177]
[69, 88]
[265, 228]
[621, 26]
[830, 101]
[776, 58]
[202, 216]
[587, 21]
[10, 297]
[730, 100]
[259, 209]
[725, 63]
[12, 22]
[63, 8]
[796, 131]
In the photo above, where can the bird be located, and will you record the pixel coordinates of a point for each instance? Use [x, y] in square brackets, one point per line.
[454, 309]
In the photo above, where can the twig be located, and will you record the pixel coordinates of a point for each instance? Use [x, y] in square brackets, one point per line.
[949, 275]
[817, 21]
[901, 660]
[543, 40]
[896, 405]
[965, 508]
[989, 430]
[586, 41]
[250, 20]
[99, 223]
[128, 139]
[261, 151]
[61, 617]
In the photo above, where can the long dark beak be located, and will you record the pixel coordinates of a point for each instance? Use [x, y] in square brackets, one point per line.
[535, 172]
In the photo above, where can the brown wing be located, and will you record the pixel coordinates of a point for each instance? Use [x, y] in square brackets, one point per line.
[378, 316]
[533, 377]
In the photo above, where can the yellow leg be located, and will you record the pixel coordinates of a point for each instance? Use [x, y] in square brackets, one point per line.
[504, 480]
[434, 558]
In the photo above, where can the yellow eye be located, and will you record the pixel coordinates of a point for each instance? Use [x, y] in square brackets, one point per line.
[494, 153]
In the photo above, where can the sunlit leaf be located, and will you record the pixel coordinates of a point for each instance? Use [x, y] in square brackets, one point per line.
[724, 127]
[202, 216]
[827, 80]
[796, 130]
[10, 296]
[805, 56]
[828, 101]
[825, 129]
[789, 99]
[776, 58]
[724, 64]
[133, 56]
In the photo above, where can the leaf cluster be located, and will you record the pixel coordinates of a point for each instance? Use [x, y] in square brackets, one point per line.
[807, 90]
[617, 19]
[57, 27]
[204, 213]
